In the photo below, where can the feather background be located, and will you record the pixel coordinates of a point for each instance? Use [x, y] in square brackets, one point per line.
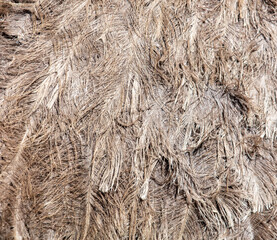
[123, 119]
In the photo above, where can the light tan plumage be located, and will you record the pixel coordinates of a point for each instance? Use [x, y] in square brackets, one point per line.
[138, 119]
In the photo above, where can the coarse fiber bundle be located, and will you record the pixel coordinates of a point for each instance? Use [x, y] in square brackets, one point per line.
[138, 119]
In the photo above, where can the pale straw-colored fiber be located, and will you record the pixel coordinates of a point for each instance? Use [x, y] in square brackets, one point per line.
[138, 119]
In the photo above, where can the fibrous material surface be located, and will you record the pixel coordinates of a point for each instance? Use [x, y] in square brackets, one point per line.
[138, 119]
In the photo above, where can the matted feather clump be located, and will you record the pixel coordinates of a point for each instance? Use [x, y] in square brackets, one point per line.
[138, 119]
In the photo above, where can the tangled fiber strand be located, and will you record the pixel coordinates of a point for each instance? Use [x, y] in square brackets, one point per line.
[138, 119]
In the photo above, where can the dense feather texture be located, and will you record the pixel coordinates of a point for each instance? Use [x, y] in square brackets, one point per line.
[138, 119]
